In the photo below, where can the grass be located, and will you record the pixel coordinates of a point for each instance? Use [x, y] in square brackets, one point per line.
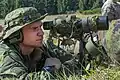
[105, 74]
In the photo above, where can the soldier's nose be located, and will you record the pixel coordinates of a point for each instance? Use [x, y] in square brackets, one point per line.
[40, 33]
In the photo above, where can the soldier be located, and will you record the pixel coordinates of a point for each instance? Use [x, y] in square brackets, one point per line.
[112, 42]
[111, 8]
[22, 53]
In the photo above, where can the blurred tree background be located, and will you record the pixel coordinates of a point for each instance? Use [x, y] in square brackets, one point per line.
[50, 6]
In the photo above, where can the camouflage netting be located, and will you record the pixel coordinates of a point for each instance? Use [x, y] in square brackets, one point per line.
[113, 41]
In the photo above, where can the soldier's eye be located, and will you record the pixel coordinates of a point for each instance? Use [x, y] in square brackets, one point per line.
[35, 28]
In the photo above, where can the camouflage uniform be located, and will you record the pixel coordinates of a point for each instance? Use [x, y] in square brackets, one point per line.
[111, 8]
[112, 41]
[12, 63]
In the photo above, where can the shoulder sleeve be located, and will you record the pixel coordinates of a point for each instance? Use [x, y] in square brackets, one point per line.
[12, 67]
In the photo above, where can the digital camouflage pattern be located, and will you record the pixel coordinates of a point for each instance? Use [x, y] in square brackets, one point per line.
[15, 65]
[112, 41]
[12, 63]
[111, 8]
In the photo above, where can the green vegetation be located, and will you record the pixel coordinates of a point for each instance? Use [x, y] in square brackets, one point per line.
[98, 74]
[50, 6]
[92, 11]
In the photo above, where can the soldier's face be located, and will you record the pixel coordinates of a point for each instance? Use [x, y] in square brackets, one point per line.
[33, 35]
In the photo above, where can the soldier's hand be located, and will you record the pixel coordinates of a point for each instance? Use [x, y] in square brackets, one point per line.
[53, 62]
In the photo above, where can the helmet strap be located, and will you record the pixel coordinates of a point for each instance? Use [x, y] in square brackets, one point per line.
[15, 37]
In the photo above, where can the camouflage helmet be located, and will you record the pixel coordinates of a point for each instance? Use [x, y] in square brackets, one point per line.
[19, 18]
[112, 41]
